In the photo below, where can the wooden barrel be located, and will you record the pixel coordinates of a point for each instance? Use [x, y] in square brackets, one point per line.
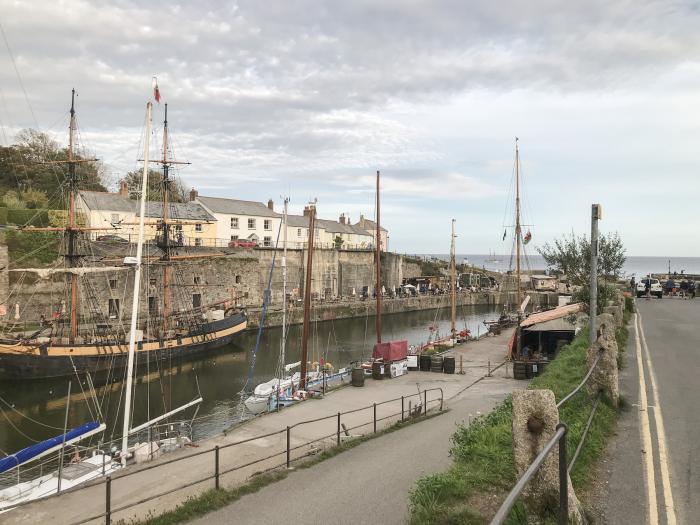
[358, 377]
[377, 370]
[519, 370]
[436, 362]
[448, 364]
[424, 363]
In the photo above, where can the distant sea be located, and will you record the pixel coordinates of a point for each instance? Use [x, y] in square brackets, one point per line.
[635, 265]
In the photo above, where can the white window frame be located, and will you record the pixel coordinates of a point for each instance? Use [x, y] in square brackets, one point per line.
[198, 227]
[251, 223]
[197, 241]
[267, 242]
[234, 223]
[267, 224]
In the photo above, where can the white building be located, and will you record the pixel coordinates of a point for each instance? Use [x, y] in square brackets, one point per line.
[371, 228]
[237, 219]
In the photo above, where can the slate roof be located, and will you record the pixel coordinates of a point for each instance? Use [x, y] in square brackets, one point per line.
[100, 200]
[179, 210]
[297, 221]
[237, 207]
[371, 225]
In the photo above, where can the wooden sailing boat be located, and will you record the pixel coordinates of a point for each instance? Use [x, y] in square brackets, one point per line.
[510, 316]
[390, 351]
[48, 353]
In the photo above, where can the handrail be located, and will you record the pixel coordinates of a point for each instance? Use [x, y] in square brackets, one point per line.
[558, 437]
[584, 434]
[107, 481]
[583, 382]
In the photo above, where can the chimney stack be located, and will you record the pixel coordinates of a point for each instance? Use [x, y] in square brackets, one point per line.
[307, 211]
[123, 189]
[342, 218]
[271, 205]
[193, 194]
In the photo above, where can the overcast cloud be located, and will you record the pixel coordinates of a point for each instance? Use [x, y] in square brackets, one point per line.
[310, 98]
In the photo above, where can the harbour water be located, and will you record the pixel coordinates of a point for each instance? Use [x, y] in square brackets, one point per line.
[35, 410]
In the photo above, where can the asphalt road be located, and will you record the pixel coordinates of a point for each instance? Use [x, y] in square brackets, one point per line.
[653, 464]
[369, 483]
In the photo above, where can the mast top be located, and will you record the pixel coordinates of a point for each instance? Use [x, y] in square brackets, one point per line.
[72, 103]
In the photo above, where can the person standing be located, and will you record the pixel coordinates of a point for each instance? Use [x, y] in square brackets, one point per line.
[684, 289]
[647, 287]
[691, 288]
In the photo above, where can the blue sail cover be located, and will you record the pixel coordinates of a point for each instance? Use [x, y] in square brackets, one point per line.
[32, 451]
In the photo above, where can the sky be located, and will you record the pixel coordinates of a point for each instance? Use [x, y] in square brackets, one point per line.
[308, 99]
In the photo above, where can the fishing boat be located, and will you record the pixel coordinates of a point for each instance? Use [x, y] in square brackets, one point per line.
[82, 337]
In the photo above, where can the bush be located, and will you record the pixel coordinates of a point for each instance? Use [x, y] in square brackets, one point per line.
[3, 215]
[23, 217]
[41, 247]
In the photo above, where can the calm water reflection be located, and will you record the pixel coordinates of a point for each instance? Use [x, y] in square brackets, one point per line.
[220, 375]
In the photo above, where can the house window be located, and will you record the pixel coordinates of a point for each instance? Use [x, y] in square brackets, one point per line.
[198, 227]
[198, 241]
[234, 223]
[152, 306]
[196, 300]
[234, 237]
[178, 227]
[251, 224]
[298, 232]
[112, 284]
[267, 224]
[197, 279]
[238, 279]
[113, 307]
[267, 241]
[114, 218]
[152, 281]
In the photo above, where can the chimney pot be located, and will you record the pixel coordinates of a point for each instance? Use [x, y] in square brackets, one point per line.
[271, 205]
[342, 218]
[193, 194]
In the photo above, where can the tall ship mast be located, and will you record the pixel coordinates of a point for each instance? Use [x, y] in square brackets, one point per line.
[94, 342]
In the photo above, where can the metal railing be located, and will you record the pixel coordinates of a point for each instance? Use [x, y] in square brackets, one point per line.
[408, 410]
[564, 469]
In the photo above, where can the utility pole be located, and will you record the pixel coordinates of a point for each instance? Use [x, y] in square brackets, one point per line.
[596, 215]
[453, 285]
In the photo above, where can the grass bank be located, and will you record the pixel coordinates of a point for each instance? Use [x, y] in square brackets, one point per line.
[483, 471]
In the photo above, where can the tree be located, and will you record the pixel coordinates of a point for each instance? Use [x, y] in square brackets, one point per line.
[33, 164]
[155, 186]
[338, 241]
[572, 256]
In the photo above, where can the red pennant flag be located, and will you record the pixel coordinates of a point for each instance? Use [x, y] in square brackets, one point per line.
[156, 91]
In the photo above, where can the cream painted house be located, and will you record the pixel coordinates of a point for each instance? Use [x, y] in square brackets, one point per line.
[118, 215]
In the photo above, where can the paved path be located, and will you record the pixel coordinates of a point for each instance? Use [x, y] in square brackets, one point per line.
[369, 483]
[653, 466]
[74, 506]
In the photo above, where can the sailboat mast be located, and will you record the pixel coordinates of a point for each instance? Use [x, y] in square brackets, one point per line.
[378, 263]
[307, 297]
[137, 285]
[284, 285]
[453, 282]
[518, 230]
[72, 231]
[166, 226]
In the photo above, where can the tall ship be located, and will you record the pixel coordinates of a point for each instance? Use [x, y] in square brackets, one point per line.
[86, 335]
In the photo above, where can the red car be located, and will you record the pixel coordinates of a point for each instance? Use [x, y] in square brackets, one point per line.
[242, 243]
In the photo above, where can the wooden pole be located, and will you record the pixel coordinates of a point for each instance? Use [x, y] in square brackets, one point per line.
[307, 298]
[71, 224]
[518, 231]
[378, 286]
[453, 284]
[166, 227]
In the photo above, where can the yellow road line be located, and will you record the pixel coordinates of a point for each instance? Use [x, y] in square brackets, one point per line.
[660, 435]
[645, 434]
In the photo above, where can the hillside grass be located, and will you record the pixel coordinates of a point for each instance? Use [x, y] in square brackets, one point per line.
[483, 471]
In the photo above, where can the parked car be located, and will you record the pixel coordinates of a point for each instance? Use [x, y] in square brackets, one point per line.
[242, 243]
[111, 238]
[655, 287]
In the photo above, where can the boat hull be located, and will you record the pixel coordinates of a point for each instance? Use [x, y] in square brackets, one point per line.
[20, 362]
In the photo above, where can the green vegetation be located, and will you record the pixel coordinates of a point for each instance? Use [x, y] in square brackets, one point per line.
[483, 471]
[32, 247]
